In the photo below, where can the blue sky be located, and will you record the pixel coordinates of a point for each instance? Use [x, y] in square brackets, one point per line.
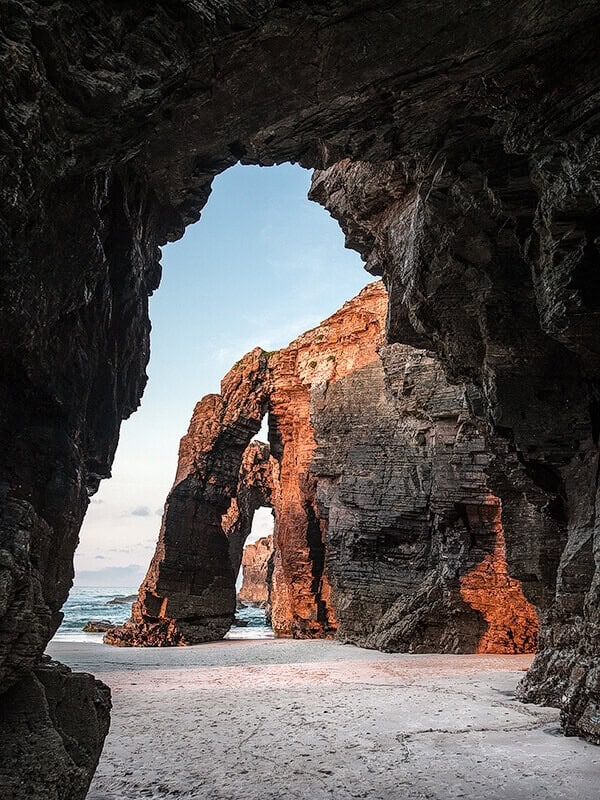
[262, 265]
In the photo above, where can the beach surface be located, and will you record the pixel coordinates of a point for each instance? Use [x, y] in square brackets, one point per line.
[305, 720]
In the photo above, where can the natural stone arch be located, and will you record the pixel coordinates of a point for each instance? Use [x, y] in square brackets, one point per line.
[188, 594]
[114, 122]
[384, 527]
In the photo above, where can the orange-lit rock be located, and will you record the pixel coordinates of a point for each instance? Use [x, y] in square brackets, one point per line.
[512, 624]
[188, 594]
[385, 529]
[399, 462]
[254, 489]
[342, 344]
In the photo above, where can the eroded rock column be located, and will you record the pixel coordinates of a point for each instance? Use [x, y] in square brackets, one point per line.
[385, 528]
[188, 595]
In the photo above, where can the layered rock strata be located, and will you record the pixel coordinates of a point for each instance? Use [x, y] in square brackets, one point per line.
[495, 271]
[52, 728]
[257, 572]
[114, 121]
[385, 528]
[188, 594]
[415, 540]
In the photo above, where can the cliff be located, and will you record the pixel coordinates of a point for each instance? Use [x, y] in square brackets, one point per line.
[385, 528]
[188, 594]
[473, 142]
[415, 539]
[511, 312]
[256, 567]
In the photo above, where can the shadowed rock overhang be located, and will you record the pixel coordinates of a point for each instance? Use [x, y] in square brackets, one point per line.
[478, 205]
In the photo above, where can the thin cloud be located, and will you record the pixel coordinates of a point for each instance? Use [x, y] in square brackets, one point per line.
[130, 576]
[141, 511]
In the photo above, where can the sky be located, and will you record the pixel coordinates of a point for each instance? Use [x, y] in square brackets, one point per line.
[262, 265]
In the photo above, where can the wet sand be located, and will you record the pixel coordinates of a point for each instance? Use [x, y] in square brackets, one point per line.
[305, 720]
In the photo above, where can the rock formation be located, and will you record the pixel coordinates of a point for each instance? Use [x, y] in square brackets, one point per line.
[385, 528]
[52, 728]
[257, 563]
[500, 288]
[255, 489]
[480, 131]
[188, 594]
[98, 626]
[415, 539]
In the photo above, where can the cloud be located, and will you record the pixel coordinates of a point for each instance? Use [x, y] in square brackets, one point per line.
[141, 511]
[116, 577]
[102, 557]
[159, 512]
[96, 501]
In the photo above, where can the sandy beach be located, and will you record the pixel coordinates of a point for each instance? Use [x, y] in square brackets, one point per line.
[255, 720]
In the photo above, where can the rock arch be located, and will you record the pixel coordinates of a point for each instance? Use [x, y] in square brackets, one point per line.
[481, 125]
[385, 530]
[257, 579]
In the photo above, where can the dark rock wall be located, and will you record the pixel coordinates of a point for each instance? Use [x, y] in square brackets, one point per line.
[113, 120]
[415, 541]
[463, 265]
[52, 728]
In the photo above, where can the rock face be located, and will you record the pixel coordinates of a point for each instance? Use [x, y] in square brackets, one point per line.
[495, 276]
[52, 728]
[257, 566]
[188, 594]
[415, 541]
[385, 528]
[476, 199]
[341, 344]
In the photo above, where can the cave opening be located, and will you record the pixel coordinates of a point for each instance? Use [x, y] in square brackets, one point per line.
[284, 265]
[484, 118]
[241, 228]
[261, 265]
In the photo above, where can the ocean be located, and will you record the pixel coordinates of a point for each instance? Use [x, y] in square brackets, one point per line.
[85, 604]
